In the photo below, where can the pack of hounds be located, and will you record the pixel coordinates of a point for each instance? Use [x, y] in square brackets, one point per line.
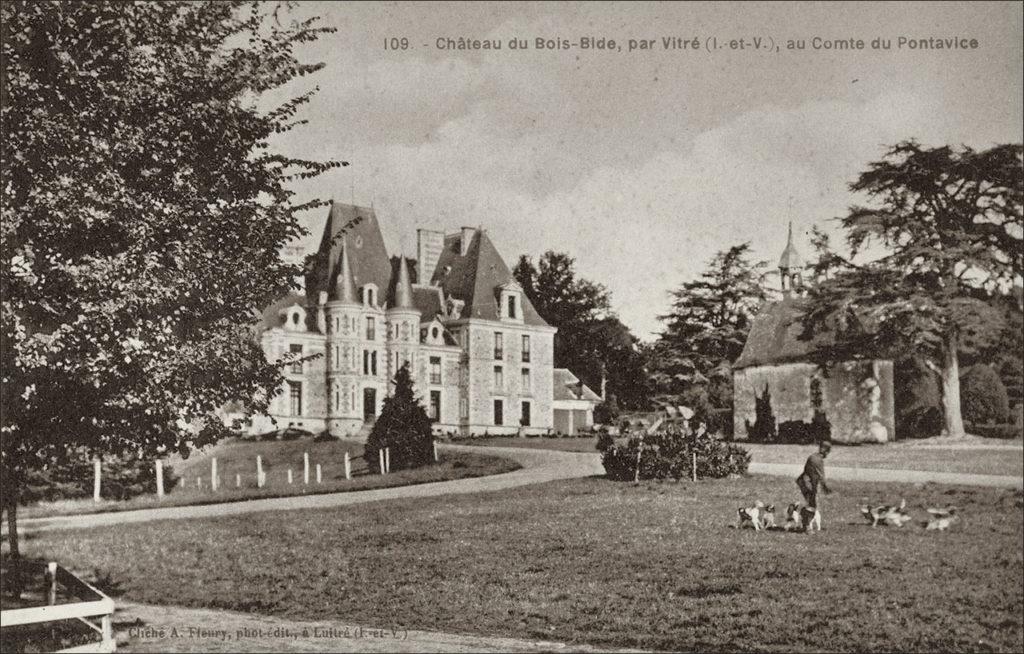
[798, 517]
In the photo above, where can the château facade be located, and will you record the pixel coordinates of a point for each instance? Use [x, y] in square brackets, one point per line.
[480, 355]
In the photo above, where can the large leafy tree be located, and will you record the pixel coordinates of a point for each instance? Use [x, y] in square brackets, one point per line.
[707, 327]
[143, 215]
[591, 340]
[940, 243]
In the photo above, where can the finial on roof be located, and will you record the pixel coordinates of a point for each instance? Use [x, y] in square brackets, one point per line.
[790, 258]
[403, 287]
[345, 287]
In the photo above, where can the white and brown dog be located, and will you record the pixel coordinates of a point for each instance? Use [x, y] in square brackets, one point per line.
[941, 519]
[751, 515]
[802, 518]
[768, 517]
[885, 514]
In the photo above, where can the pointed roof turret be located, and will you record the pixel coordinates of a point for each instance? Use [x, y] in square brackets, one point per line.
[345, 287]
[790, 258]
[403, 287]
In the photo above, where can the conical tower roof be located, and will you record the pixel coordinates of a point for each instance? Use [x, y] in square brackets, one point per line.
[790, 258]
[403, 287]
[345, 287]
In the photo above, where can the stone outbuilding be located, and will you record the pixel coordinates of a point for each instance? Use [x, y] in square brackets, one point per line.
[573, 404]
[775, 370]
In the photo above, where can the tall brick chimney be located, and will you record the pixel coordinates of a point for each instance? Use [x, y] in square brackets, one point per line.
[429, 244]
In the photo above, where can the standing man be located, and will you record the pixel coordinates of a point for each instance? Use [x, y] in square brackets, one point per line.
[814, 475]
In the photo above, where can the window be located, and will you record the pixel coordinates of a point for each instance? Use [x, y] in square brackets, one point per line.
[524, 380]
[499, 412]
[297, 351]
[366, 362]
[294, 398]
[511, 306]
[435, 405]
[525, 419]
[499, 379]
[435, 370]
[499, 345]
[464, 408]
[373, 362]
[526, 349]
[371, 329]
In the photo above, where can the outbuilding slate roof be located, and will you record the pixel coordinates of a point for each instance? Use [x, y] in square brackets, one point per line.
[775, 336]
[568, 387]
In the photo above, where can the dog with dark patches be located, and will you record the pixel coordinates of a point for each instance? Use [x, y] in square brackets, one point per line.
[802, 518]
[751, 515]
[885, 514]
[768, 517]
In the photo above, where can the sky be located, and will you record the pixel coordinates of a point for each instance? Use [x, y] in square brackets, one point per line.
[641, 165]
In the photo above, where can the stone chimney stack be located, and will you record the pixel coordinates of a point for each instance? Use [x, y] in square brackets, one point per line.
[429, 244]
[467, 238]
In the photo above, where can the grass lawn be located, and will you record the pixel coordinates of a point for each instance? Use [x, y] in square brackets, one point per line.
[1000, 460]
[902, 456]
[239, 458]
[588, 444]
[654, 566]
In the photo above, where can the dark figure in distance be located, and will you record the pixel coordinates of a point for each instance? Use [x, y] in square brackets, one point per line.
[814, 475]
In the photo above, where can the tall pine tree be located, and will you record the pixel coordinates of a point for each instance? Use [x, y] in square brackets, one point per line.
[707, 328]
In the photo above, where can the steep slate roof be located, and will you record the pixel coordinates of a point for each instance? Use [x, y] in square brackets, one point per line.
[271, 316]
[775, 336]
[568, 387]
[428, 300]
[476, 276]
[365, 247]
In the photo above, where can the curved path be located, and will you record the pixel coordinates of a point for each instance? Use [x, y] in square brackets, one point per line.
[537, 466]
[893, 476]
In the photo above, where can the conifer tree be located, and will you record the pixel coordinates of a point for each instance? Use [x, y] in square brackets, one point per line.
[403, 427]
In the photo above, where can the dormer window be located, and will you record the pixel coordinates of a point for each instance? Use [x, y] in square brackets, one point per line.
[294, 318]
[511, 301]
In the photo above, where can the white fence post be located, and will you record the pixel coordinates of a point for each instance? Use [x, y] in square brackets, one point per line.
[319, 478]
[387, 459]
[159, 478]
[238, 480]
[305, 467]
[348, 467]
[289, 475]
[435, 451]
[213, 473]
[96, 472]
[181, 482]
[260, 479]
[51, 578]
[380, 457]
[199, 482]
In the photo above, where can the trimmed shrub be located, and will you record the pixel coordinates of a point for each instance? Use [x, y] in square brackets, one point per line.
[404, 427]
[669, 455]
[122, 478]
[1007, 431]
[983, 398]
